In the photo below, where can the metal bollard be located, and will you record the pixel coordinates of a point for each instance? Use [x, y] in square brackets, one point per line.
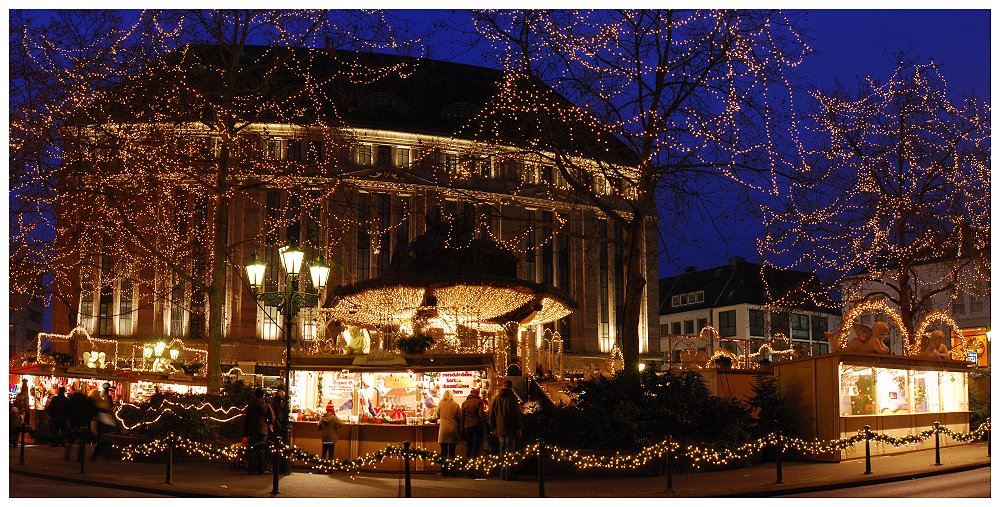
[170, 459]
[777, 451]
[541, 468]
[67, 445]
[23, 430]
[407, 491]
[937, 443]
[276, 467]
[670, 473]
[868, 450]
[83, 451]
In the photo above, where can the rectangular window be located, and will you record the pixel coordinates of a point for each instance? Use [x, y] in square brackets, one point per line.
[87, 301]
[308, 319]
[664, 329]
[293, 151]
[125, 308]
[384, 219]
[975, 304]
[675, 327]
[403, 229]
[364, 238]
[314, 151]
[34, 316]
[177, 311]
[689, 327]
[700, 297]
[868, 391]
[105, 306]
[384, 155]
[800, 326]
[402, 157]
[819, 328]
[756, 318]
[675, 301]
[604, 279]
[363, 154]
[684, 299]
[545, 175]
[270, 328]
[274, 148]
[701, 324]
[451, 164]
[548, 268]
[727, 323]
[958, 305]
[562, 280]
[529, 247]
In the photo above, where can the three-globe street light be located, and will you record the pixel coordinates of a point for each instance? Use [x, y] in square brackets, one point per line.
[290, 300]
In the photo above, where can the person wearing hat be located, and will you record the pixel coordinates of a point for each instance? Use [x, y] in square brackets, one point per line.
[329, 426]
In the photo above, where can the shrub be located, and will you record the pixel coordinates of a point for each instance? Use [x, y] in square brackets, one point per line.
[629, 413]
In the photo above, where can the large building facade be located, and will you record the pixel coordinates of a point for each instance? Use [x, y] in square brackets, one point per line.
[367, 189]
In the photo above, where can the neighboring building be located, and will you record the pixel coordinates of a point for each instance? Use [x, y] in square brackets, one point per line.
[404, 162]
[25, 323]
[735, 300]
[966, 300]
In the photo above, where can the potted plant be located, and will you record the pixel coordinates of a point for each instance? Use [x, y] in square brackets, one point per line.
[416, 344]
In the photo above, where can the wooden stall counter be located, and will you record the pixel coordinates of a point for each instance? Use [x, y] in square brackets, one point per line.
[360, 439]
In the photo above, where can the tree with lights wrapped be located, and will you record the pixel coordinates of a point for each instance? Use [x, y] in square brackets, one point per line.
[895, 200]
[682, 104]
[148, 131]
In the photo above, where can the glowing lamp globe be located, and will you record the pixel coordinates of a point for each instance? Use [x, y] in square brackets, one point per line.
[255, 272]
[320, 273]
[291, 259]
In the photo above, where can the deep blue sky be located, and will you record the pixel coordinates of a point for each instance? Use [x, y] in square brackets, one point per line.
[849, 45]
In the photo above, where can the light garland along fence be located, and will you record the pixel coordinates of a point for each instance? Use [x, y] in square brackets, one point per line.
[665, 450]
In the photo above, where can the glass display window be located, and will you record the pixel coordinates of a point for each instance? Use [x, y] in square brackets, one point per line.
[866, 390]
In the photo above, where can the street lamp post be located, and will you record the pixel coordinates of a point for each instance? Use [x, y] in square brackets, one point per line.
[290, 301]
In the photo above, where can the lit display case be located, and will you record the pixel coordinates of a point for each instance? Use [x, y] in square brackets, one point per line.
[868, 390]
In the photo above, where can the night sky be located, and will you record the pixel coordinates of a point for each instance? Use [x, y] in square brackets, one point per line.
[849, 45]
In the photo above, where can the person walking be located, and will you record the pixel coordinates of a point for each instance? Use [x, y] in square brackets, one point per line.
[505, 420]
[104, 421]
[81, 411]
[473, 425]
[21, 401]
[15, 424]
[449, 422]
[329, 426]
[257, 421]
[58, 411]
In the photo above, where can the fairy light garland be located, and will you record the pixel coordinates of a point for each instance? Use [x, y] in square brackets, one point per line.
[698, 455]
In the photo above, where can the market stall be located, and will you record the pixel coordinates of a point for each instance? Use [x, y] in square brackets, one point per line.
[382, 399]
[837, 394]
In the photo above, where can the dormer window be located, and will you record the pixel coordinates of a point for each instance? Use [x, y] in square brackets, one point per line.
[458, 111]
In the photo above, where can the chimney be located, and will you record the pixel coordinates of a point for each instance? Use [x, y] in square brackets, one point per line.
[736, 261]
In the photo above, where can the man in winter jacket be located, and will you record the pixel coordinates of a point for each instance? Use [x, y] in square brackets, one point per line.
[505, 420]
[256, 422]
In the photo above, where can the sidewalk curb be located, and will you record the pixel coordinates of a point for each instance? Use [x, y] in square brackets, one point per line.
[182, 493]
[775, 490]
[766, 491]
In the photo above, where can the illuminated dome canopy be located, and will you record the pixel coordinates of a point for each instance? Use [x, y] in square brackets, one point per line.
[449, 274]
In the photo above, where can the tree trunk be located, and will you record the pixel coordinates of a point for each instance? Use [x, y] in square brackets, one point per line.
[217, 289]
[634, 286]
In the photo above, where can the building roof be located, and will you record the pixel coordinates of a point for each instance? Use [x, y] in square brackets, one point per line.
[740, 282]
[366, 90]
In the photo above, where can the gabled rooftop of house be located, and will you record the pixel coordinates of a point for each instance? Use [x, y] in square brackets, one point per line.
[741, 282]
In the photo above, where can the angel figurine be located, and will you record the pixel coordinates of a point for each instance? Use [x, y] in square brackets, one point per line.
[869, 339]
[935, 347]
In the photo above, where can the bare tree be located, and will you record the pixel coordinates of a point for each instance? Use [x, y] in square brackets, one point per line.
[899, 179]
[662, 105]
[165, 136]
